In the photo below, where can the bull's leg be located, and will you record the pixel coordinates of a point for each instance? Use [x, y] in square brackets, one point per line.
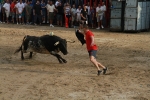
[30, 56]
[22, 57]
[60, 59]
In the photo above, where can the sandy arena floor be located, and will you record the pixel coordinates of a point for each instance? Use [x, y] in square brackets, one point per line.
[42, 78]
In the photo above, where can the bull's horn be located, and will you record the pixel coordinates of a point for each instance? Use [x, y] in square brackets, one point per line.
[70, 41]
[56, 43]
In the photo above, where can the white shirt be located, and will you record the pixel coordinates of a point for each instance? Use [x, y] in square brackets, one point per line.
[7, 6]
[103, 8]
[73, 11]
[78, 12]
[20, 7]
[56, 4]
[88, 7]
[0, 7]
[50, 8]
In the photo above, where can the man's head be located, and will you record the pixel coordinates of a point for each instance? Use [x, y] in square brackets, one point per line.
[50, 2]
[79, 7]
[85, 27]
[103, 3]
[38, 2]
[73, 5]
[99, 5]
[84, 7]
[88, 4]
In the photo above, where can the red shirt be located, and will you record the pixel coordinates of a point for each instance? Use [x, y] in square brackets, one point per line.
[88, 35]
[12, 7]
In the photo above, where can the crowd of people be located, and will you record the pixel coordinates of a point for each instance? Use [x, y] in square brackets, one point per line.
[62, 14]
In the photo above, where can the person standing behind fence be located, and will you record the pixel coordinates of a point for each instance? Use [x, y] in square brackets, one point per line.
[28, 10]
[103, 9]
[37, 12]
[92, 16]
[20, 8]
[13, 10]
[79, 14]
[59, 14]
[0, 13]
[7, 9]
[84, 19]
[50, 11]
[97, 15]
[67, 12]
[16, 13]
[73, 14]
[43, 5]
[89, 13]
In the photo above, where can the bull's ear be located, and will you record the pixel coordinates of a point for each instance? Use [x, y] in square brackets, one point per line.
[56, 43]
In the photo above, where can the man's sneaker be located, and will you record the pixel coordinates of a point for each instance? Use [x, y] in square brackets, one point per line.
[102, 26]
[99, 72]
[52, 26]
[98, 28]
[104, 70]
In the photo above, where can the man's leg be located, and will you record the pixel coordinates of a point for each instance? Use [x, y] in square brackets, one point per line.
[35, 19]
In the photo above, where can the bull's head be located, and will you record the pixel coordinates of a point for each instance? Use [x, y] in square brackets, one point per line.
[62, 45]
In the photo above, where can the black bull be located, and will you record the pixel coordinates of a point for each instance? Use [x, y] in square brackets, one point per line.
[45, 44]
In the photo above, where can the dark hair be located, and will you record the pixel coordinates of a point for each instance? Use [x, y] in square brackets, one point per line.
[85, 26]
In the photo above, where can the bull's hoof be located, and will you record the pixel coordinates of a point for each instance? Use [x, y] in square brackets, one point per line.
[64, 61]
[22, 58]
[60, 62]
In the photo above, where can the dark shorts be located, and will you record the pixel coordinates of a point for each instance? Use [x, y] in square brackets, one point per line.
[59, 17]
[51, 15]
[92, 53]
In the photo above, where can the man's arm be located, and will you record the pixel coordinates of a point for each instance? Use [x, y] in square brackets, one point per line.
[92, 42]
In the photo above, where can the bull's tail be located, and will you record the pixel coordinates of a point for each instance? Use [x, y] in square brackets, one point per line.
[20, 48]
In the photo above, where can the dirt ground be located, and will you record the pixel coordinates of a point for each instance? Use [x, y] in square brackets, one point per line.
[127, 55]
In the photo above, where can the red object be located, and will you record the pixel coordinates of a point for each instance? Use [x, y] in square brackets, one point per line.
[66, 22]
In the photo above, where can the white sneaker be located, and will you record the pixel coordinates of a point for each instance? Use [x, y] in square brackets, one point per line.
[102, 26]
[52, 25]
[98, 28]
[17, 23]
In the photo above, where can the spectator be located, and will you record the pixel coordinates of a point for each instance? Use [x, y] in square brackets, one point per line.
[7, 9]
[67, 12]
[57, 3]
[20, 8]
[37, 12]
[3, 12]
[103, 9]
[0, 12]
[50, 11]
[24, 12]
[79, 14]
[16, 12]
[98, 15]
[13, 10]
[89, 12]
[73, 14]
[92, 16]
[43, 5]
[59, 14]
[28, 10]
[84, 18]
